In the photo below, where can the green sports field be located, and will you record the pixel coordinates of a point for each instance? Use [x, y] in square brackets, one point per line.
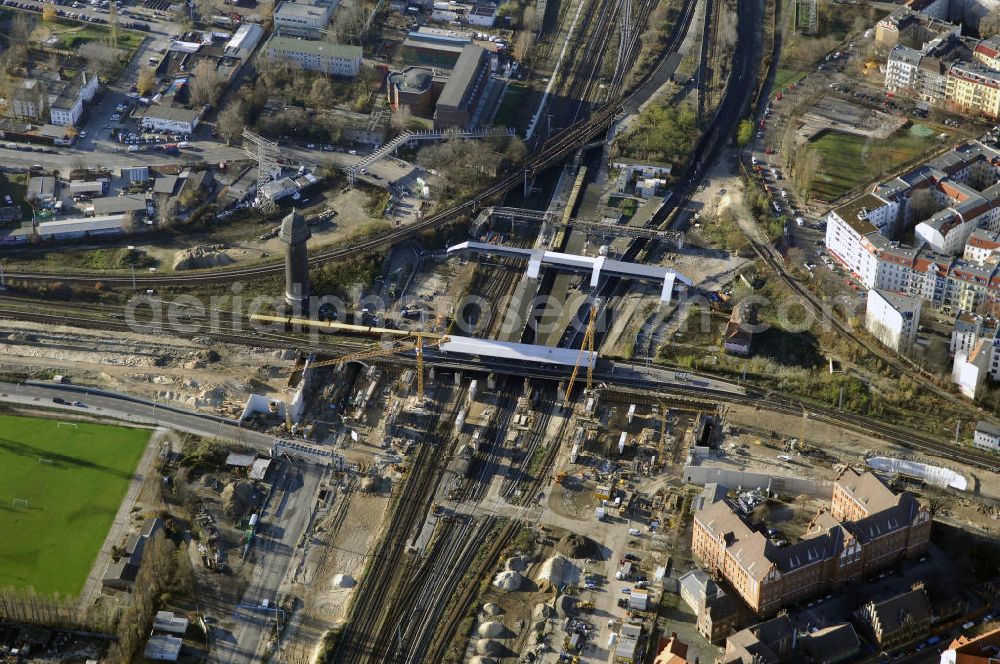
[72, 495]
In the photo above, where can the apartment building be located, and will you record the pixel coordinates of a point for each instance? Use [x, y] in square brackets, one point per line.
[335, 59]
[911, 26]
[859, 233]
[971, 368]
[987, 436]
[50, 98]
[987, 52]
[893, 319]
[867, 528]
[981, 649]
[897, 620]
[973, 87]
[982, 246]
[976, 349]
[920, 75]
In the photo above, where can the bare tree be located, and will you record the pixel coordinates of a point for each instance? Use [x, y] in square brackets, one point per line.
[807, 164]
[990, 24]
[100, 57]
[166, 214]
[231, 122]
[146, 81]
[205, 84]
[401, 116]
[349, 24]
[321, 93]
[18, 38]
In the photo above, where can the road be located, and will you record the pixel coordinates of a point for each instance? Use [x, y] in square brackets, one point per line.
[237, 639]
[100, 403]
[241, 637]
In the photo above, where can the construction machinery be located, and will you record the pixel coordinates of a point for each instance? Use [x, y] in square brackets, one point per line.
[384, 350]
[586, 347]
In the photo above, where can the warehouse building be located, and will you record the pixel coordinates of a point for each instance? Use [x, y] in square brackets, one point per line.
[171, 119]
[80, 227]
[303, 18]
[434, 46]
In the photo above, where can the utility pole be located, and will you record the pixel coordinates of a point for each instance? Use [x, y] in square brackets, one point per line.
[131, 263]
[958, 428]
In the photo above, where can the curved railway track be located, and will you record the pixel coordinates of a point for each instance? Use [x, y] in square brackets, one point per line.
[553, 151]
[901, 366]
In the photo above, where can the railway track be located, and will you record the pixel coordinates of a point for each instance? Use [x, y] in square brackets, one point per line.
[553, 151]
[770, 402]
[488, 561]
[364, 637]
[238, 332]
[409, 626]
[768, 254]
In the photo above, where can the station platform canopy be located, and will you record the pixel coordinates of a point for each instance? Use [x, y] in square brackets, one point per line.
[489, 349]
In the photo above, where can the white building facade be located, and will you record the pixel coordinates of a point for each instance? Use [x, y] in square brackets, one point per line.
[987, 436]
[893, 319]
[335, 59]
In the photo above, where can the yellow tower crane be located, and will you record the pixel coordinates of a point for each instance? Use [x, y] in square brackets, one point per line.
[586, 346]
[382, 351]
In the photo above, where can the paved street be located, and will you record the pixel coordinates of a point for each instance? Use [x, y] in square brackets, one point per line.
[240, 637]
[129, 409]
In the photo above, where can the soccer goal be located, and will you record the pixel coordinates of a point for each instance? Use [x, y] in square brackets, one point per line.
[61, 424]
[22, 503]
[46, 460]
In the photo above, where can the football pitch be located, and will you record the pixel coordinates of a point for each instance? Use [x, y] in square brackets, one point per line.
[60, 488]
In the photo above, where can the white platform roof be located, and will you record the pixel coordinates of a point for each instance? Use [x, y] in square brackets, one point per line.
[596, 265]
[506, 350]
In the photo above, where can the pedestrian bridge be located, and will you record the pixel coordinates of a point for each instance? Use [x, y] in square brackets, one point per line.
[595, 265]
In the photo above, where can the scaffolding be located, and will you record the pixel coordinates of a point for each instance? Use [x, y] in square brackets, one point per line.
[265, 153]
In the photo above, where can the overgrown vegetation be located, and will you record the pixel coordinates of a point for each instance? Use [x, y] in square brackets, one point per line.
[662, 133]
[468, 166]
[166, 571]
[338, 278]
[724, 232]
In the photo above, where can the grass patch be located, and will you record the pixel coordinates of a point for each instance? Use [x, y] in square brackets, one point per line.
[76, 35]
[512, 107]
[850, 160]
[784, 76]
[52, 543]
